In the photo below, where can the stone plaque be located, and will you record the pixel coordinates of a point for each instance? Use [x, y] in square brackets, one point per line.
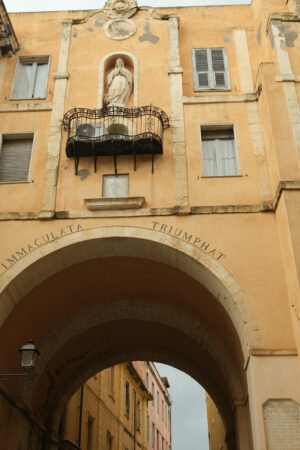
[282, 423]
[120, 29]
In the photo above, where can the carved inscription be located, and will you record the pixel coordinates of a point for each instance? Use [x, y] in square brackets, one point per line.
[282, 423]
[191, 238]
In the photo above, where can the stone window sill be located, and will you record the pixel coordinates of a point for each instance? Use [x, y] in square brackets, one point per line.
[110, 203]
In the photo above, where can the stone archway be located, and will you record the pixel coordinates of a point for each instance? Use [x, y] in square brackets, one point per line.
[131, 241]
[192, 344]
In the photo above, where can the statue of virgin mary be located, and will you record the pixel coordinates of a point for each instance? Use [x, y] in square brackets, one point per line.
[119, 85]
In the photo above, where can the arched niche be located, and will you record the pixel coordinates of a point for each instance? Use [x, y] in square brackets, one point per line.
[107, 64]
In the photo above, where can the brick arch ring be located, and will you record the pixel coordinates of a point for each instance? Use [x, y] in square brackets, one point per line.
[92, 243]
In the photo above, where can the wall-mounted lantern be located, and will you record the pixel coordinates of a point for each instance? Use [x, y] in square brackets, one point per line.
[29, 355]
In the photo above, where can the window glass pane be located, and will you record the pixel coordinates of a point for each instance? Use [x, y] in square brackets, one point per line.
[15, 160]
[115, 186]
[209, 158]
[40, 84]
[23, 81]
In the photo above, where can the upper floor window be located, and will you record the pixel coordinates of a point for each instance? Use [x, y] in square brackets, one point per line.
[15, 157]
[219, 152]
[31, 77]
[210, 69]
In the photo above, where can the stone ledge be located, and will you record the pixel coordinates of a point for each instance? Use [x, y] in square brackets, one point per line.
[288, 77]
[13, 107]
[61, 76]
[109, 203]
[219, 98]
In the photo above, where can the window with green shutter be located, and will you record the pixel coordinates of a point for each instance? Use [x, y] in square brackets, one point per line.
[15, 157]
[210, 69]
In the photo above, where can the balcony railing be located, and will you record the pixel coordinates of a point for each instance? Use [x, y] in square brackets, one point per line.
[115, 131]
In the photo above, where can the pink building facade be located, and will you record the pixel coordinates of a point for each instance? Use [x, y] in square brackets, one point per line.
[159, 410]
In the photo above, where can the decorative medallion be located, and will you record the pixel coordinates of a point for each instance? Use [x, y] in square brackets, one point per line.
[116, 9]
[120, 29]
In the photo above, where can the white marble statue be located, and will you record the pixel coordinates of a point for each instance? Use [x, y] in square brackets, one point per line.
[119, 85]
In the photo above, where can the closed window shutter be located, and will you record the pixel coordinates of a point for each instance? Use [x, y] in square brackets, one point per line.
[209, 158]
[201, 68]
[218, 67]
[210, 69]
[40, 85]
[15, 160]
[228, 157]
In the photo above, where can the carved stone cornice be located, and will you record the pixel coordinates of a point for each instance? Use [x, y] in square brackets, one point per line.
[116, 9]
[8, 40]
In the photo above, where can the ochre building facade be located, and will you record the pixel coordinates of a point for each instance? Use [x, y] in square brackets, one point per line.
[149, 209]
[110, 411]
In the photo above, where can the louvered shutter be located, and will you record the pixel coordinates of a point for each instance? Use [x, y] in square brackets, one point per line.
[15, 160]
[218, 65]
[201, 68]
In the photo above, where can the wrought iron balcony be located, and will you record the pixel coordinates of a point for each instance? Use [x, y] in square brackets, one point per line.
[115, 131]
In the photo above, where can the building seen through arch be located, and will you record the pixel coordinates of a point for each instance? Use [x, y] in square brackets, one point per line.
[124, 406]
[149, 210]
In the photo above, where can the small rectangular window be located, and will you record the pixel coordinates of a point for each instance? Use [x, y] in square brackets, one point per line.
[153, 396]
[109, 440]
[153, 435]
[219, 152]
[210, 69]
[90, 432]
[115, 186]
[112, 380]
[148, 428]
[15, 157]
[31, 77]
[127, 398]
[157, 405]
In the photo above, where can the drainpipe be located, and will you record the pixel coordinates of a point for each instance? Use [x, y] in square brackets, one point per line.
[134, 420]
[80, 416]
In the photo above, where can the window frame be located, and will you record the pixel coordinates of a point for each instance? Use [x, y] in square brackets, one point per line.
[27, 60]
[220, 127]
[119, 175]
[211, 84]
[18, 136]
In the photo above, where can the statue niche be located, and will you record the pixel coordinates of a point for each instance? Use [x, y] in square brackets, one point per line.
[119, 85]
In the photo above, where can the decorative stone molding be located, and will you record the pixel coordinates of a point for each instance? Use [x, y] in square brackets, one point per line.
[108, 203]
[119, 29]
[115, 9]
[8, 40]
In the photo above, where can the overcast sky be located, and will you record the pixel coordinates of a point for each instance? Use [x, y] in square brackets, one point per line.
[54, 5]
[189, 420]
